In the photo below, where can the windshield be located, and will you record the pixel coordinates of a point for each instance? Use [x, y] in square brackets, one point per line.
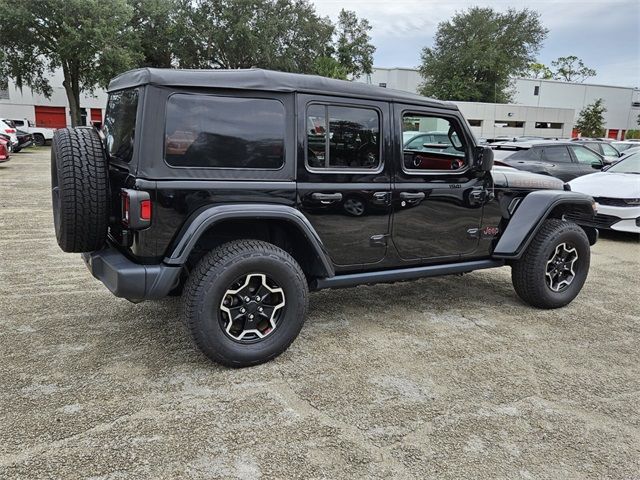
[630, 164]
[120, 123]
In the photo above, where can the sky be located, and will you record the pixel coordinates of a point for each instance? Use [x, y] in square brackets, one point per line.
[605, 33]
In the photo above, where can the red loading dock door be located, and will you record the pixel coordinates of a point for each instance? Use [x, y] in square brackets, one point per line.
[96, 115]
[613, 134]
[51, 117]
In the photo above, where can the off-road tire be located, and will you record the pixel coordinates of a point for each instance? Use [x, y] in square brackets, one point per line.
[79, 189]
[528, 273]
[211, 278]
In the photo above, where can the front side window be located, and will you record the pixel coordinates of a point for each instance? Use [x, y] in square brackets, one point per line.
[584, 155]
[343, 138]
[432, 143]
[120, 124]
[224, 132]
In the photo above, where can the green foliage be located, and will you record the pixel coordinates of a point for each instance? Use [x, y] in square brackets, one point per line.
[329, 67]
[571, 69]
[88, 39]
[591, 120]
[354, 52]
[155, 23]
[284, 35]
[632, 134]
[539, 70]
[477, 51]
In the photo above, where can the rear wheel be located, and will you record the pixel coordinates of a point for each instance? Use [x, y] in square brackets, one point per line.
[38, 139]
[79, 189]
[554, 267]
[245, 303]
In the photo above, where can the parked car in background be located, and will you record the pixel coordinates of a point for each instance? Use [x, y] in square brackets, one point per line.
[616, 190]
[630, 151]
[624, 145]
[24, 140]
[564, 160]
[9, 130]
[5, 153]
[41, 136]
[605, 149]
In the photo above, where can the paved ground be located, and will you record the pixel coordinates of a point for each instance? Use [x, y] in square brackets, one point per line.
[441, 378]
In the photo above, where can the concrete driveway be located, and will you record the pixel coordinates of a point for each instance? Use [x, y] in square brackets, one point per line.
[442, 378]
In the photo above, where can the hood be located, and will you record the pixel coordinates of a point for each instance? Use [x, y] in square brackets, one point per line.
[608, 184]
[513, 178]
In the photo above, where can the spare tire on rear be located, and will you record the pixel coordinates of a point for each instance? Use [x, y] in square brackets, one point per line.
[80, 189]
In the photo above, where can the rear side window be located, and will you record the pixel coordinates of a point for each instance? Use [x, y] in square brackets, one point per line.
[559, 154]
[224, 132]
[342, 138]
[120, 124]
[529, 154]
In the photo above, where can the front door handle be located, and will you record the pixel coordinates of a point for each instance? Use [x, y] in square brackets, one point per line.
[411, 196]
[326, 197]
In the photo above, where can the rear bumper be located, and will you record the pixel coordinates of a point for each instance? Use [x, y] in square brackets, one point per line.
[128, 279]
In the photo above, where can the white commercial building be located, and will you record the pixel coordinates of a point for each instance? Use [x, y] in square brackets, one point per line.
[540, 107]
[50, 112]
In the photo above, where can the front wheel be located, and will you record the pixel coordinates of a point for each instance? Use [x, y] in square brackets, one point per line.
[554, 267]
[245, 303]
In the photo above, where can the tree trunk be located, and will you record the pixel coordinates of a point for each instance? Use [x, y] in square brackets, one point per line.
[72, 88]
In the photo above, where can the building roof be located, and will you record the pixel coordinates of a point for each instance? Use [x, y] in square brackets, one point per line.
[265, 80]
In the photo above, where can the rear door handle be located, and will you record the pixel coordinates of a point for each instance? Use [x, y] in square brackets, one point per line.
[411, 196]
[326, 197]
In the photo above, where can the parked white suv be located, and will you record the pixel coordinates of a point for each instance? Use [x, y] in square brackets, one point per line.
[40, 135]
[9, 130]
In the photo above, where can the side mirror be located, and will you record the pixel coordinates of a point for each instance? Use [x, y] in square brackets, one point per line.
[484, 159]
[597, 165]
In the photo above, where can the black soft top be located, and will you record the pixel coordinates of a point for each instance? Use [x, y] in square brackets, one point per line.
[265, 80]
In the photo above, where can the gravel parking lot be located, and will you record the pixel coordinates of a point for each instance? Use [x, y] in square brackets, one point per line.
[441, 378]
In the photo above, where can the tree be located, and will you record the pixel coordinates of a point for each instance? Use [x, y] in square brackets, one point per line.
[354, 52]
[155, 25]
[477, 51]
[284, 35]
[539, 70]
[572, 69]
[88, 39]
[591, 120]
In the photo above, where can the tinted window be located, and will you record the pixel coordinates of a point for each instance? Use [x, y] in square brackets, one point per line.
[529, 154]
[584, 155]
[593, 146]
[224, 132]
[438, 143]
[343, 137]
[120, 123]
[558, 154]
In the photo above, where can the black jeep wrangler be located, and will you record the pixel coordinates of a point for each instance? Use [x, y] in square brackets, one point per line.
[242, 190]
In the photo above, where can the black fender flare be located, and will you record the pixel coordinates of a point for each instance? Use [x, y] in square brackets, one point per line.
[206, 217]
[532, 211]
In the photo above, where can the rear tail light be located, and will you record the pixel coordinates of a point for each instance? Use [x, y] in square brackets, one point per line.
[145, 210]
[136, 209]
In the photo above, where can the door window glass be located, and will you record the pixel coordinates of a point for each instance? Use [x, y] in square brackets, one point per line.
[584, 155]
[558, 154]
[432, 143]
[120, 123]
[609, 150]
[342, 138]
[224, 132]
